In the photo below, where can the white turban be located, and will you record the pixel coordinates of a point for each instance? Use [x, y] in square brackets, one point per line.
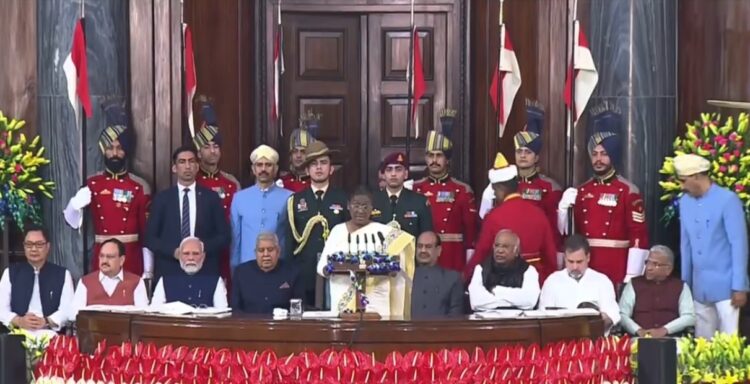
[264, 152]
[690, 164]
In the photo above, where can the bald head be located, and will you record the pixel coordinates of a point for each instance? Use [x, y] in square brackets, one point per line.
[428, 248]
[506, 248]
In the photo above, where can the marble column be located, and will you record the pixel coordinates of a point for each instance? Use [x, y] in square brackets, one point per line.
[634, 44]
[106, 28]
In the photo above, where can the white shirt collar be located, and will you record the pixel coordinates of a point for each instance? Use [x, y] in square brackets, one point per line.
[397, 194]
[119, 277]
[324, 189]
[191, 187]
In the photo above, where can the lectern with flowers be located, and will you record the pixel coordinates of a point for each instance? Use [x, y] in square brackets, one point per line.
[364, 257]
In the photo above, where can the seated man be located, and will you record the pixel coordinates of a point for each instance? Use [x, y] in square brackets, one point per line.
[505, 280]
[111, 284]
[265, 283]
[203, 290]
[33, 294]
[578, 286]
[657, 304]
[436, 291]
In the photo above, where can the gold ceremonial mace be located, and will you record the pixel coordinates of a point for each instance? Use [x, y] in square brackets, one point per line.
[730, 104]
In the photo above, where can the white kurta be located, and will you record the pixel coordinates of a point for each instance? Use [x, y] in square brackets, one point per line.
[378, 292]
[524, 297]
[562, 291]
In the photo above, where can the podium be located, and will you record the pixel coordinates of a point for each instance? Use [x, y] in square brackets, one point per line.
[359, 265]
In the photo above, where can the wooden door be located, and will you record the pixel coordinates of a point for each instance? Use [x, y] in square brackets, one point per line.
[388, 96]
[323, 75]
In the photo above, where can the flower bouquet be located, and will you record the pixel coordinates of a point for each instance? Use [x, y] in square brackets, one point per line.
[34, 347]
[724, 145]
[19, 174]
[724, 359]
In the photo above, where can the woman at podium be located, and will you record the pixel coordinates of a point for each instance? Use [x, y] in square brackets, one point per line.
[389, 294]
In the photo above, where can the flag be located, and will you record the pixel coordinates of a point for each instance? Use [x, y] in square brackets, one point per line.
[584, 73]
[278, 71]
[191, 80]
[417, 80]
[76, 72]
[507, 78]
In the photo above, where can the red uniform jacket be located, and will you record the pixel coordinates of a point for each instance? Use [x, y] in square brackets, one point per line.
[293, 182]
[610, 214]
[545, 193]
[119, 206]
[226, 186]
[454, 218]
[527, 221]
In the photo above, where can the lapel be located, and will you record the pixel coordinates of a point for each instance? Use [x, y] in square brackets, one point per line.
[198, 208]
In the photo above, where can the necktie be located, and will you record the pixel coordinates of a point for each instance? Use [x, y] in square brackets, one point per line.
[185, 227]
[319, 198]
[394, 200]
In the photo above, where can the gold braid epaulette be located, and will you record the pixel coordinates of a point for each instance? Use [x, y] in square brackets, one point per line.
[302, 239]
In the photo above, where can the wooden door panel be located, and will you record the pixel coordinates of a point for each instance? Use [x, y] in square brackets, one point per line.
[324, 77]
[388, 103]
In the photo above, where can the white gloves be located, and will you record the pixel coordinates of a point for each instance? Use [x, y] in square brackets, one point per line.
[636, 263]
[560, 260]
[72, 211]
[568, 199]
[488, 201]
[279, 183]
[469, 254]
[409, 184]
[148, 263]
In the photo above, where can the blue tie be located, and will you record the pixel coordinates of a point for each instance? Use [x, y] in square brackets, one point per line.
[185, 227]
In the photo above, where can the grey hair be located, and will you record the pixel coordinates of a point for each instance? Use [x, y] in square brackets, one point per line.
[509, 232]
[267, 236]
[664, 250]
[192, 238]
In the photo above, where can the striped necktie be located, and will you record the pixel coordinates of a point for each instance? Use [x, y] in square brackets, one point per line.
[185, 227]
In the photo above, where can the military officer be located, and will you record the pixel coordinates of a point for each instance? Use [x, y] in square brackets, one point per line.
[297, 179]
[608, 209]
[399, 206]
[452, 205]
[312, 213]
[208, 142]
[118, 199]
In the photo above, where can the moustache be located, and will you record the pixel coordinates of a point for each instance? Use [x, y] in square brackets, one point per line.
[105, 265]
[431, 164]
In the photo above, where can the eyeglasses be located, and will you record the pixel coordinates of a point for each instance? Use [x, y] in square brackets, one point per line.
[655, 264]
[38, 245]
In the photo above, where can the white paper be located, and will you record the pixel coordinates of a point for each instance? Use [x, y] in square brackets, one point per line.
[180, 308]
[320, 315]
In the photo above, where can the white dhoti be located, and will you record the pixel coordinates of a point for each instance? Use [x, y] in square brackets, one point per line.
[711, 317]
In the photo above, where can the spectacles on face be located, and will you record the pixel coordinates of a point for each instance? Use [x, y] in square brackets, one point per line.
[37, 245]
[656, 264]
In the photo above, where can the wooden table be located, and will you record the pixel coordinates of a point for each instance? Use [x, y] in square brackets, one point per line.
[253, 332]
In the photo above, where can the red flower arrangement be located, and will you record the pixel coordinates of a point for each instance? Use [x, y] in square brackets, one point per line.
[603, 361]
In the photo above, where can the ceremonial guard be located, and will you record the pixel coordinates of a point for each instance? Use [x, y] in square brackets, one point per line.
[608, 209]
[118, 199]
[297, 179]
[208, 142]
[399, 206]
[521, 216]
[312, 213]
[452, 205]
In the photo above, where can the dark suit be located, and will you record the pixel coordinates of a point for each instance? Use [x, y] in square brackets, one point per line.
[412, 211]
[437, 292]
[163, 230]
[304, 207]
[255, 291]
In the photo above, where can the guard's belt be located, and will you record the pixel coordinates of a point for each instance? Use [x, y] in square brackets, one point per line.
[127, 238]
[451, 237]
[607, 243]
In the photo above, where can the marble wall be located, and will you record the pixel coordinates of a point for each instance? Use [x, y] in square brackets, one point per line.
[106, 25]
[634, 44]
